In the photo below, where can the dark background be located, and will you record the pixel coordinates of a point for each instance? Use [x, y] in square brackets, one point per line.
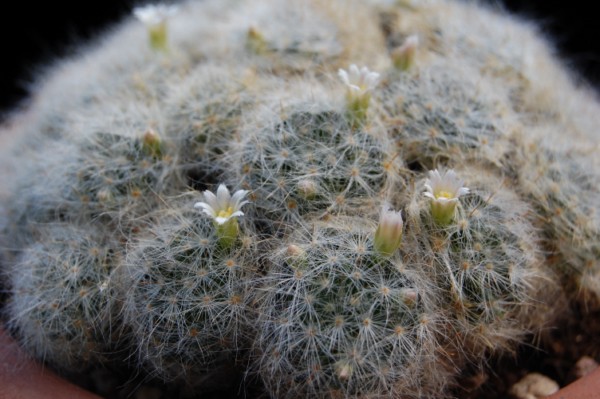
[37, 38]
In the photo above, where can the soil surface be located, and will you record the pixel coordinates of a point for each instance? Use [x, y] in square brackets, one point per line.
[556, 356]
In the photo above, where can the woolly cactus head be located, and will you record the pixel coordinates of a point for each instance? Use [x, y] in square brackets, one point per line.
[189, 296]
[63, 308]
[315, 163]
[338, 317]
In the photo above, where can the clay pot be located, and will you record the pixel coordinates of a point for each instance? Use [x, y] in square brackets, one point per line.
[22, 378]
[587, 387]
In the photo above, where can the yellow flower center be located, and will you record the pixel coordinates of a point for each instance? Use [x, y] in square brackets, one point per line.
[225, 213]
[444, 194]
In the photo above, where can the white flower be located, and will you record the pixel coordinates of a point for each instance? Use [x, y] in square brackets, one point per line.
[444, 190]
[359, 81]
[222, 207]
[444, 187]
[389, 232]
[154, 14]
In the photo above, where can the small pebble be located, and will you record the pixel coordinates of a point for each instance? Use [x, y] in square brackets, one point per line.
[584, 366]
[534, 386]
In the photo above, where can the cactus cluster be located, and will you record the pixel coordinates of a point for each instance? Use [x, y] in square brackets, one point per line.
[385, 229]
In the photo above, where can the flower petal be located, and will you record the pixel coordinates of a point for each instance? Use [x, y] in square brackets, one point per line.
[206, 208]
[344, 76]
[237, 197]
[154, 14]
[221, 220]
[211, 199]
[435, 177]
[223, 197]
[236, 213]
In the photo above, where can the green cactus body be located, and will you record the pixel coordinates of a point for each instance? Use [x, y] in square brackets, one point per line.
[120, 177]
[490, 264]
[66, 310]
[204, 119]
[338, 317]
[312, 163]
[188, 300]
[568, 221]
[438, 118]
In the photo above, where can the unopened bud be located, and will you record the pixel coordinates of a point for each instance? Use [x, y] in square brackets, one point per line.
[307, 188]
[155, 18]
[404, 56]
[255, 41]
[294, 251]
[389, 232]
[152, 143]
[344, 370]
[409, 296]
[104, 194]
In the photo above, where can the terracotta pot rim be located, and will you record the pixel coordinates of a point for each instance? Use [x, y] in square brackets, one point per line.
[587, 387]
